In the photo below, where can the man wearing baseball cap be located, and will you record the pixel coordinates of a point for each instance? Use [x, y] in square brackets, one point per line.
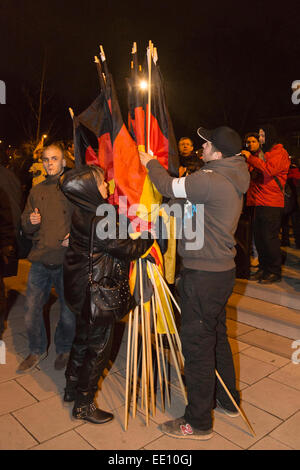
[208, 274]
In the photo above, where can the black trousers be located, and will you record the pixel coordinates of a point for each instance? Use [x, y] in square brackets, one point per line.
[205, 344]
[267, 223]
[89, 355]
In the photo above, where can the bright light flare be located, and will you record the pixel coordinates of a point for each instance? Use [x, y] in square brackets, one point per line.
[143, 85]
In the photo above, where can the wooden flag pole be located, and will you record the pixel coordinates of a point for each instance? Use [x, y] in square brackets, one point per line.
[149, 58]
[172, 319]
[168, 335]
[235, 404]
[71, 113]
[168, 290]
[149, 348]
[157, 353]
[128, 375]
[136, 328]
[144, 366]
[164, 369]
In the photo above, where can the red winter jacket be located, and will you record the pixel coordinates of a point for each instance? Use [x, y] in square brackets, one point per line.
[264, 190]
[294, 175]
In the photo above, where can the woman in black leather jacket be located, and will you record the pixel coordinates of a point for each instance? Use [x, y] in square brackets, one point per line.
[86, 189]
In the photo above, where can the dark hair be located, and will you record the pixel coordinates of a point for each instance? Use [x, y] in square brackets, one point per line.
[251, 134]
[271, 136]
[98, 173]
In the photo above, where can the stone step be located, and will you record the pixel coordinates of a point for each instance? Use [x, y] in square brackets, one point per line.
[285, 293]
[267, 316]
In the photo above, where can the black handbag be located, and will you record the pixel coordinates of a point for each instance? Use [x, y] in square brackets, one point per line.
[109, 299]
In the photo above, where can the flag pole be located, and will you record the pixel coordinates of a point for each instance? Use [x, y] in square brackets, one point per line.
[149, 58]
[100, 73]
[128, 372]
[235, 404]
[71, 113]
[173, 321]
[149, 347]
[144, 365]
[164, 370]
[157, 353]
[168, 333]
[135, 360]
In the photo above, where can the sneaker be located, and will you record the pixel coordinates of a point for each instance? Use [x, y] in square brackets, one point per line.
[180, 429]
[30, 362]
[61, 361]
[221, 409]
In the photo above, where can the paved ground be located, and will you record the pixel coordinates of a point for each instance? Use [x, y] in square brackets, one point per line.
[32, 414]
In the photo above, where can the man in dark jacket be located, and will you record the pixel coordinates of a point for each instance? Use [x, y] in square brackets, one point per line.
[47, 219]
[7, 248]
[208, 275]
[190, 160]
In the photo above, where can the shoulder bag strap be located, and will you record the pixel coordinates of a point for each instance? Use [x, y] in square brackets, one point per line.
[279, 184]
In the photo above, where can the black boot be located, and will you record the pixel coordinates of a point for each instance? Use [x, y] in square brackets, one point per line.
[257, 276]
[85, 408]
[70, 390]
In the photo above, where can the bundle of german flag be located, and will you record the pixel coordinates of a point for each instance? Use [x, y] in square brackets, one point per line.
[101, 138]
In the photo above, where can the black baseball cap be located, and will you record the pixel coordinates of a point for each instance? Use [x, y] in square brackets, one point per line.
[225, 139]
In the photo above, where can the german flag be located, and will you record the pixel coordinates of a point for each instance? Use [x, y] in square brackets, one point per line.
[162, 141]
[136, 102]
[130, 176]
[90, 130]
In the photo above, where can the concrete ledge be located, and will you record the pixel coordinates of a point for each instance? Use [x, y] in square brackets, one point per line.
[285, 293]
[267, 316]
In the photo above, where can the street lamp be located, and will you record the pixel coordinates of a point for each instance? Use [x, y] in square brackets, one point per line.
[143, 85]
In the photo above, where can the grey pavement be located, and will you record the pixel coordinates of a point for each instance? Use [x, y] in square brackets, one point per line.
[33, 416]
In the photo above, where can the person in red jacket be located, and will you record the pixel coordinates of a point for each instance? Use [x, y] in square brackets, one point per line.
[267, 195]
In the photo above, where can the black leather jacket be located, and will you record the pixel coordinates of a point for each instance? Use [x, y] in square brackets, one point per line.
[80, 187]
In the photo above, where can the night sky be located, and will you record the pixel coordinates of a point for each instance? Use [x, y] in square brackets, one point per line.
[223, 62]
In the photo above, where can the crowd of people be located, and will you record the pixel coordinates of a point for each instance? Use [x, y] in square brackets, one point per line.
[50, 203]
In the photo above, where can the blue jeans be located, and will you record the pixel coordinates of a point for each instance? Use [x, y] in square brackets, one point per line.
[40, 281]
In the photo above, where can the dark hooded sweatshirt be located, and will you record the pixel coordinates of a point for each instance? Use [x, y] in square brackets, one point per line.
[79, 186]
[219, 186]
